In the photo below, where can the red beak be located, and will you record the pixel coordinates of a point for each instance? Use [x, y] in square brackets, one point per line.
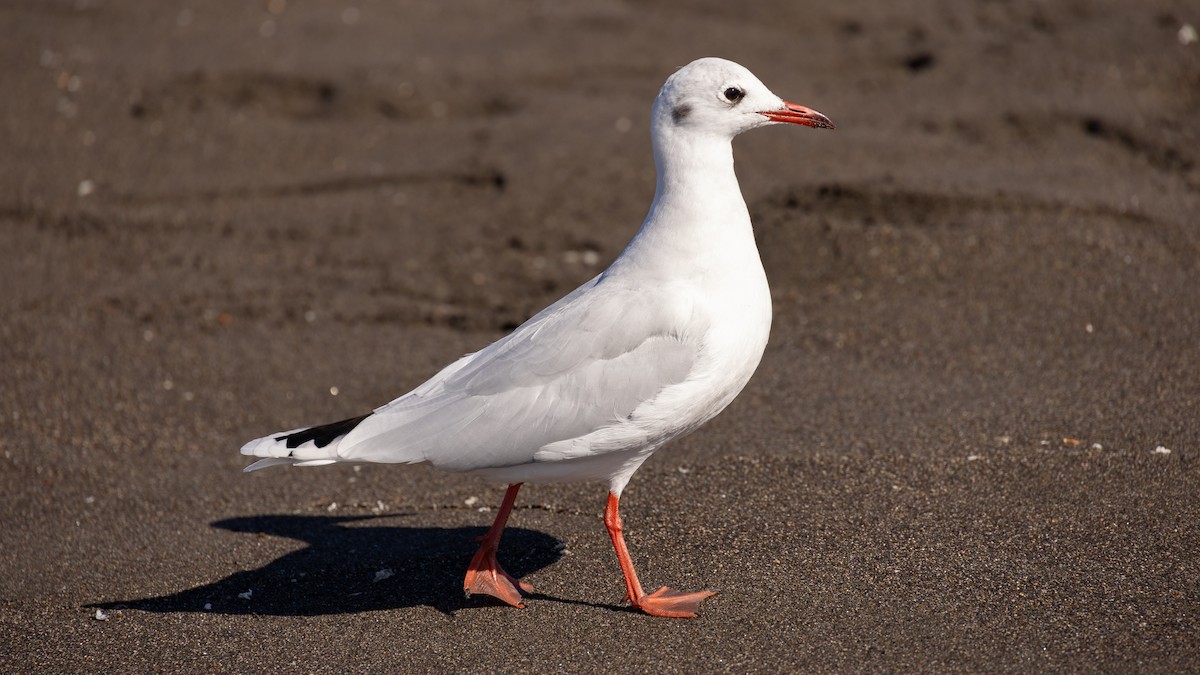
[798, 114]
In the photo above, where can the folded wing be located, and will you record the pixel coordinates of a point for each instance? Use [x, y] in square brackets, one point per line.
[537, 386]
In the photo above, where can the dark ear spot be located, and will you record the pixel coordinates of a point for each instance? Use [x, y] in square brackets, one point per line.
[681, 112]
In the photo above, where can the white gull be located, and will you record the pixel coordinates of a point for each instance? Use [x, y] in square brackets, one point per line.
[591, 386]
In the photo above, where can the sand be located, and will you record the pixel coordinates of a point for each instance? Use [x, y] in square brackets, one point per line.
[972, 443]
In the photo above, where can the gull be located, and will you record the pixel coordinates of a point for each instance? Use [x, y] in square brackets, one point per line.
[588, 388]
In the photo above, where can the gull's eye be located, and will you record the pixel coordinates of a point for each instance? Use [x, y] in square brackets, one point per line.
[734, 94]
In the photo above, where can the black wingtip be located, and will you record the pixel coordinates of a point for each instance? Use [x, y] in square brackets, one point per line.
[323, 435]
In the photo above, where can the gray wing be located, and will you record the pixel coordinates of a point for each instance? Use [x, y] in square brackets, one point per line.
[583, 363]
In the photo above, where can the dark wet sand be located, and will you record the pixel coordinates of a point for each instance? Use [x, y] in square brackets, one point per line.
[987, 292]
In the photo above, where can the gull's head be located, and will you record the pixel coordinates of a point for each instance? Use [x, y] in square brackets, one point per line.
[713, 96]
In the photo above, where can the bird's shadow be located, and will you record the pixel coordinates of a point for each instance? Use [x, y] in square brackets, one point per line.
[353, 569]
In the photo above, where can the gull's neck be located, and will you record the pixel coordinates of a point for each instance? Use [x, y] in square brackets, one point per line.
[698, 217]
[693, 167]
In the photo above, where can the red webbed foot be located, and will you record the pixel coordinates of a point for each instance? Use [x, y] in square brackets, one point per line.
[485, 576]
[672, 603]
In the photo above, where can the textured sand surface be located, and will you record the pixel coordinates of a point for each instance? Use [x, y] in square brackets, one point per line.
[220, 221]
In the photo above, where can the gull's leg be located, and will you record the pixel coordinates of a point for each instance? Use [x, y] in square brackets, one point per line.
[484, 575]
[664, 601]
